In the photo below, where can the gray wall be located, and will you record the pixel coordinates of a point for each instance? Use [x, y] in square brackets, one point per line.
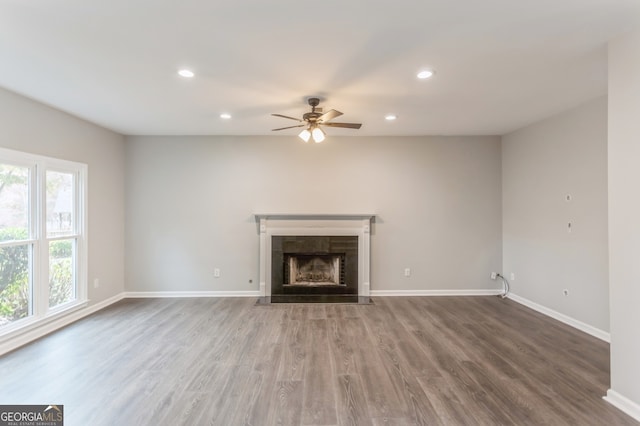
[624, 215]
[541, 165]
[190, 201]
[35, 128]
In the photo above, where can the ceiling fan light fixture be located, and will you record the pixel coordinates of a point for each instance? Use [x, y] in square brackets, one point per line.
[186, 73]
[305, 135]
[318, 135]
[424, 74]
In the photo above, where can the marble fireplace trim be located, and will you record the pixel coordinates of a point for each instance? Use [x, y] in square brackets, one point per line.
[311, 225]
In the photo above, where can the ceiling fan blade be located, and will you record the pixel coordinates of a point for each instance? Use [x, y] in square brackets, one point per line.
[331, 114]
[345, 125]
[286, 116]
[290, 127]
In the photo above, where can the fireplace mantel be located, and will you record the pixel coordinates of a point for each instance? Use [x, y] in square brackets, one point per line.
[310, 224]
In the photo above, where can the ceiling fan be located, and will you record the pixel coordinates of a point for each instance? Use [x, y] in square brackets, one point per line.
[314, 119]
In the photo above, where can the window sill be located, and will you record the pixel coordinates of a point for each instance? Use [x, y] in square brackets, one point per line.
[33, 323]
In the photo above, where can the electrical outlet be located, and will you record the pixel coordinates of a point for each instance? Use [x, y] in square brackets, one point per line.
[96, 283]
[407, 272]
[513, 276]
[494, 275]
[216, 272]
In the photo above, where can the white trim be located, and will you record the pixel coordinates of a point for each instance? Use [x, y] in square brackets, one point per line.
[623, 403]
[54, 324]
[315, 216]
[469, 292]
[589, 329]
[160, 294]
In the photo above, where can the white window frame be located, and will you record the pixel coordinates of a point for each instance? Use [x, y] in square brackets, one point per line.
[38, 165]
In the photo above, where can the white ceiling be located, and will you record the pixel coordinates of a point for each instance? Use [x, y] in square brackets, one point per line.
[500, 64]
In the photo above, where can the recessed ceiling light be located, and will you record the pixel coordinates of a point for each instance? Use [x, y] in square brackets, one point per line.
[390, 117]
[186, 73]
[225, 116]
[425, 74]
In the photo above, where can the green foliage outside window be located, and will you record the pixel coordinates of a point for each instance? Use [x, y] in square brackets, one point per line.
[60, 272]
[14, 275]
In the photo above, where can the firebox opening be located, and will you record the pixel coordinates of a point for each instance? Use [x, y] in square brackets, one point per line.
[314, 270]
[322, 265]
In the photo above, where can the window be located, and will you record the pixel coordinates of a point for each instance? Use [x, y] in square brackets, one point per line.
[42, 238]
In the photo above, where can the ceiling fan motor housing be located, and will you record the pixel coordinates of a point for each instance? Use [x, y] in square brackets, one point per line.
[311, 116]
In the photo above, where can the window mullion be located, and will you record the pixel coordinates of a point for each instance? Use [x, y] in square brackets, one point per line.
[41, 276]
[34, 233]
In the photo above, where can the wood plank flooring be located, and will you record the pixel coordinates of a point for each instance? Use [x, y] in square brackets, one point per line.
[401, 361]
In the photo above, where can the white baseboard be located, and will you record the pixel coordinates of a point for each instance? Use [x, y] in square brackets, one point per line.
[55, 324]
[256, 293]
[484, 292]
[622, 403]
[151, 294]
[364, 289]
[595, 332]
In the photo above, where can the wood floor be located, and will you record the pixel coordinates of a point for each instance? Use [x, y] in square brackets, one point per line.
[401, 361]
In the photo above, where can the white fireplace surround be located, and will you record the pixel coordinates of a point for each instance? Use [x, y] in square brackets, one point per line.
[310, 225]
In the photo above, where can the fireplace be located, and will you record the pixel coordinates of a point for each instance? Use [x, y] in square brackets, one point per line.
[314, 265]
[314, 270]
[314, 257]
